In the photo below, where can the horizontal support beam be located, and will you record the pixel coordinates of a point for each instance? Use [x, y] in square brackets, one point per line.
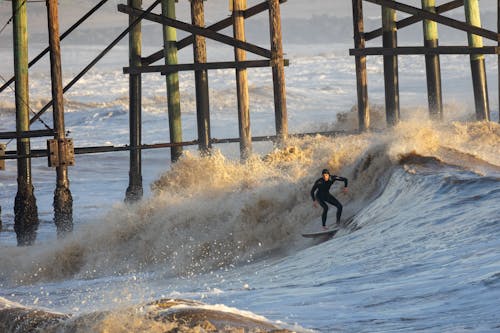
[437, 18]
[415, 19]
[197, 31]
[165, 69]
[12, 154]
[408, 50]
[222, 24]
[26, 134]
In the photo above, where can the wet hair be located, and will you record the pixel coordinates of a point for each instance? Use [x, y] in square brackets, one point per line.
[325, 171]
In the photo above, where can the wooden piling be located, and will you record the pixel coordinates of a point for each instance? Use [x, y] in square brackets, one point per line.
[391, 77]
[477, 62]
[173, 92]
[201, 79]
[63, 201]
[25, 209]
[432, 64]
[278, 68]
[239, 7]
[135, 190]
[361, 75]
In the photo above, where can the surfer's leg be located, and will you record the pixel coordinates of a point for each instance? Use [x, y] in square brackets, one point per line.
[325, 211]
[337, 204]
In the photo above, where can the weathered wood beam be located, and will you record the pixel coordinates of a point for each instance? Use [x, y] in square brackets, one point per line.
[432, 64]
[26, 134]
[172, 80]
[279, 88]
[415, 19]
[361, 74]
[63, 200]
[201, 79]
[200, 31]
[477, 62]
[25, 208]
[391, 70]
[222, 24]
[437, 18]
[165, 69]
[36, 153]
[409, 50]
[239, 7]
[135, 190]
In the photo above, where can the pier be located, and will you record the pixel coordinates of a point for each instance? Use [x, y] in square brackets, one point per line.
[61, 150]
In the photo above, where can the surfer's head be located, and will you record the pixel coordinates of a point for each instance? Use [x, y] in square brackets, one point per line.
[326, 174]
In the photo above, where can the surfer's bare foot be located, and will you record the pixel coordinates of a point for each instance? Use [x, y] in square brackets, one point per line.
[325, 228]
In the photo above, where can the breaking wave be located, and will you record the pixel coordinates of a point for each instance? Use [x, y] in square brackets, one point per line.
[208, 213]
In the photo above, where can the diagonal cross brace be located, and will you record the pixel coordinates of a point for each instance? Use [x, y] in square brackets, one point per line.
[222, 24]
[197, 31]
[437, 18]
[415, 19]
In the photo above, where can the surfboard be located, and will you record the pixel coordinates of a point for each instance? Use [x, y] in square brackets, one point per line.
[331, 231]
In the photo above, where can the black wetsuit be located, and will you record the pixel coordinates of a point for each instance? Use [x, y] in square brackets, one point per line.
[323, 195]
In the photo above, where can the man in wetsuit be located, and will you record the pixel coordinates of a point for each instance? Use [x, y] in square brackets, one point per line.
[320, 193]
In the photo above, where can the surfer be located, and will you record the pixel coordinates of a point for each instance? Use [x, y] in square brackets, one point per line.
[320, 193]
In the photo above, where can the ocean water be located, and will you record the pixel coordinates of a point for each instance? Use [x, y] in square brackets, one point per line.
[422, 252]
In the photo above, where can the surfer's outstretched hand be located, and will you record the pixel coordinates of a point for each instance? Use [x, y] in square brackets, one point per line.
[345, 190]
[315, 204]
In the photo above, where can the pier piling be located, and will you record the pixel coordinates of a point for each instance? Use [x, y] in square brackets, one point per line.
[239, 7]
[25, 209]
[201, 79]
[477, 62]
[135, 190]
[63, 200]
[391, 76]
[173, 92]
[278, 68]
[360, 60]
[432, 64]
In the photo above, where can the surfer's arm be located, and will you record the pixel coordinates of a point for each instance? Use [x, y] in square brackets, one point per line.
[343, 179]
[313, 190]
